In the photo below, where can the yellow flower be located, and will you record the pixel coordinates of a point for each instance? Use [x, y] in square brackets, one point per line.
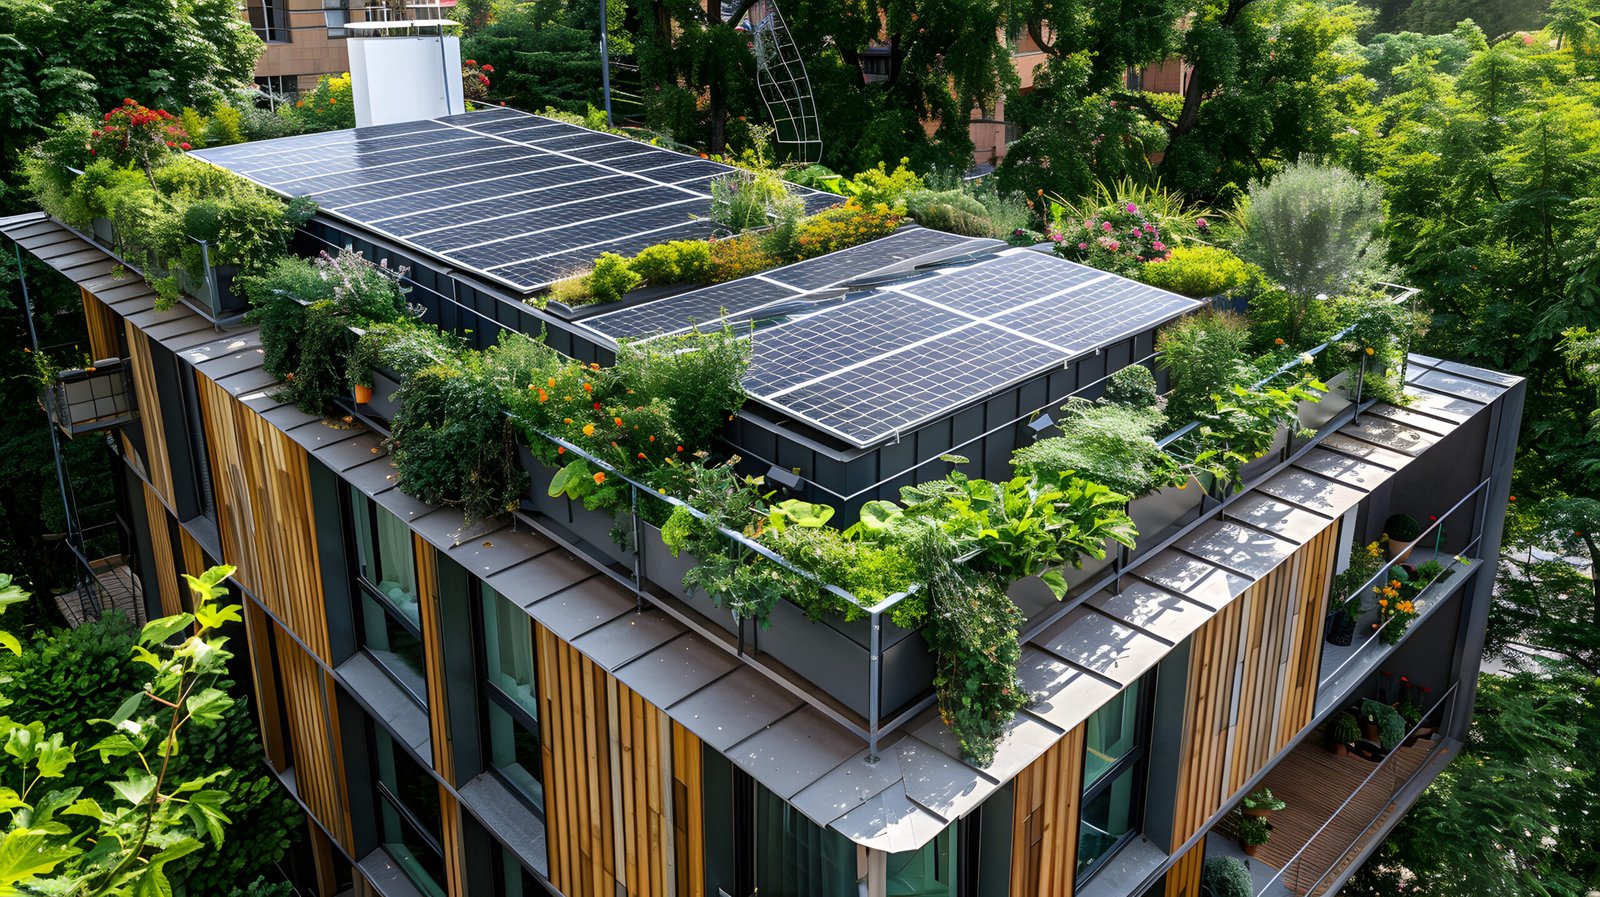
[588, 429]
[1369, 350]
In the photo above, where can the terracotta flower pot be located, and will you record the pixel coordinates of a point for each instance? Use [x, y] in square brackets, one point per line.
[363, 394]
[1258, 811]
[1250, 850]
[1341, 750]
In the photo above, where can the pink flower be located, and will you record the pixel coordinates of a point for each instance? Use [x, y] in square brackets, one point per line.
[1202, 223]
[1158, 246]
[1056, 238]
[1149, 228]
[1134, 233]
[1106, 227]
[1083, 245]
[1133, 209]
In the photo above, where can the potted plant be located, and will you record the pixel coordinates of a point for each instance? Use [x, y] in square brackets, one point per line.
[1343, 732]
[1346, 595]
[1254, 831]
[1383, 724]
[1401, 530]
[1226, 877]
[1261, 803]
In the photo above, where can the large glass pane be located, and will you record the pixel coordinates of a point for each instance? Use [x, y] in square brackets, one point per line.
[407, 794]
[929, 872]
[394, 646]
[514, 751]
[1112, 734]
[795, 857]
[1108, 818]
[508, 646]
[515, 881]
[383, 550]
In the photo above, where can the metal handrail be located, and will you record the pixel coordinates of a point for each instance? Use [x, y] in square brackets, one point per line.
[1379, 767]
[1383, 572]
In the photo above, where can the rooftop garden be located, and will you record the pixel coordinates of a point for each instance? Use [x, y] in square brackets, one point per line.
[640, 439]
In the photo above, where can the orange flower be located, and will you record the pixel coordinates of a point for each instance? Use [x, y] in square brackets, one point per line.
[588, 429]
[551, 382]
[599, 477]
[566, 420]
[1369, 350]
[680, 448]
[543, 396]
[594, 365]
[587, 387]
[1278, 341]
[617, 420]
[652, 439]
[561, 450]
[641, 456]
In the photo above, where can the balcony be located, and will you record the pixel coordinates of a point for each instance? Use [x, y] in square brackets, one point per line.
[90, 399]
[1339, 805]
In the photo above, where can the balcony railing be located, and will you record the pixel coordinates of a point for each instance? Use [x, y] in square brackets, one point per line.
[1330, 849]
[1354, 663]
[90, 399]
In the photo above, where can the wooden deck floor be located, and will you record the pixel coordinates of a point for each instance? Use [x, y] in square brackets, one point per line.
[1313, 782]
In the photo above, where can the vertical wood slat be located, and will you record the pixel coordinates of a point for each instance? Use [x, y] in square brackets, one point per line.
[427, 573]
[650, 812]
[1183, 878]
[688, 806]
[101, 322]
[314, 735]
[166, 572]
[454, 843]
[1252, 681]
[262, 483]
[258, 628]
[194, 558]
[1044, 828]
[157, 460]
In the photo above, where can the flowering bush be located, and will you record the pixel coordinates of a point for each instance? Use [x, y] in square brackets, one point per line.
[1116, 238]
[738, 257]
[329, 106]
[475, 80]
[842, 227]
[134, 134]
[1396, 605]
[1198, 271]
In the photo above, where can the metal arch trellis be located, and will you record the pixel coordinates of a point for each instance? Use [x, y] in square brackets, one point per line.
[782, 81]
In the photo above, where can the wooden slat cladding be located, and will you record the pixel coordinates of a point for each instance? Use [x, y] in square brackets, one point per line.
[1044, 832]
[454, 843]
[166, 582]
[158, 462]
[263, 490]
[1252, 681]
[624, 809]
[258, 634]
[1183, 878]
[688, 812]
[307, 693]
[427, 566]
[101, 322]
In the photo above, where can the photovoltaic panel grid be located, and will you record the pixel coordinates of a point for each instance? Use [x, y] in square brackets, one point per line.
[869, 364]
[520, 199]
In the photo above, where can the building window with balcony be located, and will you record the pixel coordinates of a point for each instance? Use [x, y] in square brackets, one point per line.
[269, 19]
[388, 616]
[512, 697]
[336, 14]
[1114, 771]
[408, 814]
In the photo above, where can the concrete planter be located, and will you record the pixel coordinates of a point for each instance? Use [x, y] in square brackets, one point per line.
[667, 572]
[1160, 513]
[198, 290]
[104, 232]
[835, 656]
[382, 406]
[1251, 471]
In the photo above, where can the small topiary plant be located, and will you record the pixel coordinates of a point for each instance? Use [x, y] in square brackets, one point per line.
[1133, 386]
[1226, 877]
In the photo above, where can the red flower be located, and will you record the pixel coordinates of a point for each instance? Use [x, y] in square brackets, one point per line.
[472, 62]
[186, 146]
[487, 67]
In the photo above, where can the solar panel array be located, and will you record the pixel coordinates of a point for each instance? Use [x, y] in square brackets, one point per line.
[520, 199]
[876, 362]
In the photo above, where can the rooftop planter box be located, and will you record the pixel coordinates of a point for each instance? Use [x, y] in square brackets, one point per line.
[837, 656]
[104, 232]
[211, 295]
[381, 405]
[87, 400]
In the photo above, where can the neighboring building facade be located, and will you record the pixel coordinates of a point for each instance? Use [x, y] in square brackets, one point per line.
[497, 709]
[304, 38]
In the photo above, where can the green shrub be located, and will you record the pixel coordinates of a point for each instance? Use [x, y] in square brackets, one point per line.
[1198, 271]
[47, 168]
[1113, 445]
[451, 443]
[949, 210]
[1133, 386]
[1315, 229]
[747, 200]
[699, 374]
[844, 226]
[401, 347]
[678, 261]
[869, 572]
[1203, 353]
[281, 319]
[879, 186]
[1227, 877]
[738, 257]
[611, 278]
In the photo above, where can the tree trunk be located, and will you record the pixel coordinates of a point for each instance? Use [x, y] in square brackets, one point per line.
[718, 91]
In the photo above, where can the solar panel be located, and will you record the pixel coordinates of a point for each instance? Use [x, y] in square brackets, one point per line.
[704, 305]
[837, 337]
[906, 244]
[897, 391]
[518, 198]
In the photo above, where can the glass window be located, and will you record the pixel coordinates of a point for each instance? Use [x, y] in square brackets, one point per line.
[512, 880]
[795, 857]
[336, 13]
[383, 555]
[513, 696]
[408, 811]
[1113, 777]
[929, 872]
[396, 646]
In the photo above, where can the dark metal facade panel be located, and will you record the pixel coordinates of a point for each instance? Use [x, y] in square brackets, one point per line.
[1286, 521]
[795, 751]
[628, 638]
[733, 708]
[1159, 612]
[676, 670]
[581, 607]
